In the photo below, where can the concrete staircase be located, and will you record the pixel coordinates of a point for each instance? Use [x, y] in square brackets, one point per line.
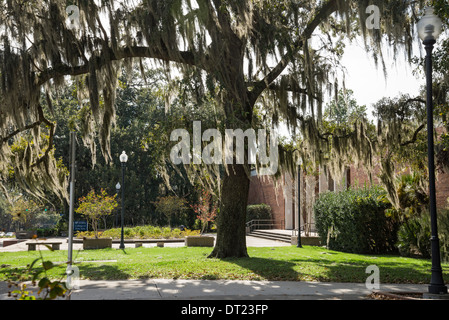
[279, 235]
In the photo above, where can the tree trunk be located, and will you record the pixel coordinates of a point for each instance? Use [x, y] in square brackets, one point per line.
[231, 233]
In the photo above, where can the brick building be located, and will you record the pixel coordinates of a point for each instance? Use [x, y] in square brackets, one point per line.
[282, 195]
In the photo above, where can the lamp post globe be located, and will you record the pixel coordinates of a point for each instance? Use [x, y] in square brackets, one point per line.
[123, 160]
[429, 28]
[123, 157]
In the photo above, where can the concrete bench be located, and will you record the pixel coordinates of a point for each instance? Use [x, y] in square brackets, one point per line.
[32, 245]
[159, 242]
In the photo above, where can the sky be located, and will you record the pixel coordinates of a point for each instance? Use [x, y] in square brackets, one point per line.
[368, 81]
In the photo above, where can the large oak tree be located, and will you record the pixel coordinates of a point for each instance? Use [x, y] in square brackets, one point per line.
[283, 50]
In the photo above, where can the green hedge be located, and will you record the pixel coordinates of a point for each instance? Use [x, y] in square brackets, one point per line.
[258, 211]
[354, 221]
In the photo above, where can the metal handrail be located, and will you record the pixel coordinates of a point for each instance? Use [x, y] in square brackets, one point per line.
[257, 223]
[308, 228]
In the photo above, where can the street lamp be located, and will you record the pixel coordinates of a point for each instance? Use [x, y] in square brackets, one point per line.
[123, 160]
[429, 28]
[298, 245]
[117, 187]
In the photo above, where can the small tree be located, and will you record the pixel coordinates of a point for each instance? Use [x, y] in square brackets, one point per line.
[24, 212]
[94, 207]
[205, 210]
[172, 207]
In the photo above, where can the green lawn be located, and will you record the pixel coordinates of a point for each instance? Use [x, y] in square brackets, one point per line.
[280, 263]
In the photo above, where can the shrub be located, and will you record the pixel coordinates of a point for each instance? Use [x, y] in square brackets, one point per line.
[141, 232]
[258, 211]
[414, 235]
[354, 221]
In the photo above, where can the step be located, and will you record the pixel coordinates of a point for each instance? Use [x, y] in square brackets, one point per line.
[271, 235]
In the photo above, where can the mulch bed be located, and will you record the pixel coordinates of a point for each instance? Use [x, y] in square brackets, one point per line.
[396, 295]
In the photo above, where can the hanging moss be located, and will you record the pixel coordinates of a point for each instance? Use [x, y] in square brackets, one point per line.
[38, 51]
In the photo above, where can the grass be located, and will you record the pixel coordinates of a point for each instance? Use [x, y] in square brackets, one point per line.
[275, 264]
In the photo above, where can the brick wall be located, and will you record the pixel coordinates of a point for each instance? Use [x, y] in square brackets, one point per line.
[442, 189]
[262, 190]
[359, 177]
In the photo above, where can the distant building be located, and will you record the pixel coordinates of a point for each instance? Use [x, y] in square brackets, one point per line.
[283, 196]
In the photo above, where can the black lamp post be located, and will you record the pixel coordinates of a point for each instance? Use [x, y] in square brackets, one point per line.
[299, 245]
[123, 160]
[117, 187]
[429, 28]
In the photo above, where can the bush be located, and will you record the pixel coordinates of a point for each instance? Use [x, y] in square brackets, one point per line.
[354, 221]
[141, 232]
[414, 235]
[258, 211]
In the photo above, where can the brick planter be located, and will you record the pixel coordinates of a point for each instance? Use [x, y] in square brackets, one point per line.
[100, 243]
[25, 234]
[307, 241]
[199, 241]
[9, 242]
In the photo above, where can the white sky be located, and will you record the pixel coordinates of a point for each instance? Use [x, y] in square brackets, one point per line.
[368, 81]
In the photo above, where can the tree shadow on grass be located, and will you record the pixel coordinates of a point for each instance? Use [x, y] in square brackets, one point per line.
[328, 269]
[102, 271]
[268, 269]
[356, 271]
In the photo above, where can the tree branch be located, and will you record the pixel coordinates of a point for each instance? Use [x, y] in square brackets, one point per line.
[185, 57]
[328, 8]
[16, 132]
[415, 136]
[50, 139]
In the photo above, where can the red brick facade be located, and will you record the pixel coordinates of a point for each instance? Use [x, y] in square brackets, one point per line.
[263, 190]
[284, 199]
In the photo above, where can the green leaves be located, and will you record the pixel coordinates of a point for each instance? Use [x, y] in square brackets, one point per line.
[354, 221]
[94, 206]
[48, 289]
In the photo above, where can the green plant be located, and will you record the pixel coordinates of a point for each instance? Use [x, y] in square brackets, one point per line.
[48, 289]
[414, 235]
[354, 221]
[141, 232]
[412, 198]
[95, 206]
[258, 211]
[206, 210]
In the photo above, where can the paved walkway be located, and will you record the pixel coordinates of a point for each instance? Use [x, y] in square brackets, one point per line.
[250, 242]
[164, 289]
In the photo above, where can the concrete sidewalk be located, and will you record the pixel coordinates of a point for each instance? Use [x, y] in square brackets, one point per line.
[164, 289]
[250, 242]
